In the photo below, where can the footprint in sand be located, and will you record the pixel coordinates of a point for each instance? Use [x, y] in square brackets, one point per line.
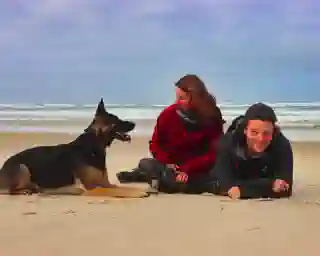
[29, 213]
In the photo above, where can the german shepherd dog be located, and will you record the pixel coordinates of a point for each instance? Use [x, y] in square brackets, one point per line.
[55, 169]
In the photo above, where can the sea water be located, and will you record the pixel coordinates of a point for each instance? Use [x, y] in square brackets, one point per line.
[299, 121]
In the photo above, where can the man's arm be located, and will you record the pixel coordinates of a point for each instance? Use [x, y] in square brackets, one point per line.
[223, 169]
[284, 164]
[283, 170]
[256, 188]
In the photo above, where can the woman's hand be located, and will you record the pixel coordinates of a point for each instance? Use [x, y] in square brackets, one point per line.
[234, 193]
[182, 177]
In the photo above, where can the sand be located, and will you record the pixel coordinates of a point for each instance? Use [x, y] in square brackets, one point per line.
[160, 225]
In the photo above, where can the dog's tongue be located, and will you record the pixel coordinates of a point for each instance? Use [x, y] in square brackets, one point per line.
[124, 137]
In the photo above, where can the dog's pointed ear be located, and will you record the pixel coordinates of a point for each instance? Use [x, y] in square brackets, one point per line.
[101, 108]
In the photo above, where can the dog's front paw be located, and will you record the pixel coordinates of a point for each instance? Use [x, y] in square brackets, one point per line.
[77, 191]
[68, 190]
[25, 191]
[35, 188]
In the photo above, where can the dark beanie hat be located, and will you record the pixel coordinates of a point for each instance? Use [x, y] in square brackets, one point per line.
[260, 111]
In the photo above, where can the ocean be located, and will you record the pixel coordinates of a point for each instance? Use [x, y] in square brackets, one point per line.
[299, 121]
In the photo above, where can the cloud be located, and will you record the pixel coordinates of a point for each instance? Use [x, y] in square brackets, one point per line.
[37, 16]
[81, 41]
[230, 23]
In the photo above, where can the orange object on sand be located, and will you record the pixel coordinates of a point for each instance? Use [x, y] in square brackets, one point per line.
[120, 192]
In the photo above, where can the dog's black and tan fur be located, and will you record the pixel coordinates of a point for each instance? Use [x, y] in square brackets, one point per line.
[54, 169]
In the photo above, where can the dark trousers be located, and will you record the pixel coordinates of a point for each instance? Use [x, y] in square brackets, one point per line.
[166, 178]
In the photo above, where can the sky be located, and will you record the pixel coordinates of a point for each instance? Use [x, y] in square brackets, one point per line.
[76, 51]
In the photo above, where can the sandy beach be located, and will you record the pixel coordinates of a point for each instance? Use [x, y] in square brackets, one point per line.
[164, 224]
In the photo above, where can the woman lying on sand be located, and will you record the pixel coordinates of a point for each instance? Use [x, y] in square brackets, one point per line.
[184, 142]
[255, 159]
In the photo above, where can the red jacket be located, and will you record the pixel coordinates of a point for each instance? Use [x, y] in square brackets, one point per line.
[171, 143]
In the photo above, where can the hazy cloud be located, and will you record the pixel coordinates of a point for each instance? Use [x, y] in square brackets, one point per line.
[74, 42]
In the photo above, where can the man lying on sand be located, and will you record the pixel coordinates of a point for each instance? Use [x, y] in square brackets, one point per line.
[255, 159]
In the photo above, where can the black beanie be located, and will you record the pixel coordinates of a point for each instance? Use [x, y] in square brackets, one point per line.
[260, 111]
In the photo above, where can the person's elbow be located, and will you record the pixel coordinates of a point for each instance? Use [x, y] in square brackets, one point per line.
[221, 175]
[154, 150]
[152, 147]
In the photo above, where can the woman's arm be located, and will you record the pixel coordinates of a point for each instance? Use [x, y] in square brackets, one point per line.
[160, 136]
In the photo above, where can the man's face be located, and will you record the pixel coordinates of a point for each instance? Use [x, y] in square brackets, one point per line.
[259, 135]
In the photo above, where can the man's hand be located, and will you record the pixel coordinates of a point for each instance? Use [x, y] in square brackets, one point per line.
[182, 177]
[234, 193]
[280, 186]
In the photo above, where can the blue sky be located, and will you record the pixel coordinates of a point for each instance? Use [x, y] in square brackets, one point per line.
[61, 51]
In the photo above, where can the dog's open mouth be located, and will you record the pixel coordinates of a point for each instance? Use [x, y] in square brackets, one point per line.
[123, 136]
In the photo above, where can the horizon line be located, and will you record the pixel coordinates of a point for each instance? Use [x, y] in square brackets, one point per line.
[225, 103]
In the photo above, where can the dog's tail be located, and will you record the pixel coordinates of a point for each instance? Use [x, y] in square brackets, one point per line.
[13, 177]
[3, 182]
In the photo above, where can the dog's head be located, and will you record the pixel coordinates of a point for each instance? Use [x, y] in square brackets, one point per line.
[109, 127]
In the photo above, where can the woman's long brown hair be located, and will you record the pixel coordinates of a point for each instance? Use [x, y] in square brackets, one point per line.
[202, 101]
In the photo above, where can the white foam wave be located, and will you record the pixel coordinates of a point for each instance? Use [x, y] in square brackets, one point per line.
[226, 104]
[289, 114]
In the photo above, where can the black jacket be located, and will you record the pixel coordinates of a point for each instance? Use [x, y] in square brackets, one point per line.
[254, 175]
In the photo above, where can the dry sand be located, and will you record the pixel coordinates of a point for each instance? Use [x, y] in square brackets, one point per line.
[160, 225]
